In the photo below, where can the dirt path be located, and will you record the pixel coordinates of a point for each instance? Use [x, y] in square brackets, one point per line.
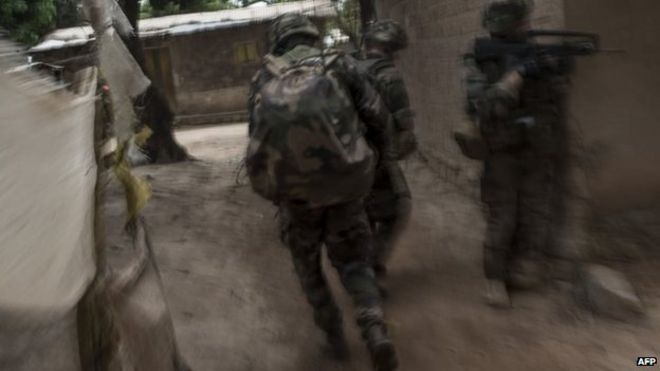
[237, 305]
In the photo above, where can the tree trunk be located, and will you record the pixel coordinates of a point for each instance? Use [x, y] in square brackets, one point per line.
[367, 13]
[157, 114]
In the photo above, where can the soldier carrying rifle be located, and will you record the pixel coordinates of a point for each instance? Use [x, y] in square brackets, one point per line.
[516, 95]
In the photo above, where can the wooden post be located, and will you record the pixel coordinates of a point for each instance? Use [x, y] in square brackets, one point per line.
[367, 13]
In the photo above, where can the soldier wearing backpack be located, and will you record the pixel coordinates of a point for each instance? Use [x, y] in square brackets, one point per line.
[308, 155]
[389, 205]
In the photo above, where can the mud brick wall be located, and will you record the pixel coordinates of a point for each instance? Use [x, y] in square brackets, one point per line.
[440, 32]
[615, 97]
[614, 110]
[206, 77]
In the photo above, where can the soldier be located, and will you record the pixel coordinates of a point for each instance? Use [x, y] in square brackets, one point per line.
[519, 108]
[332, 211]
[389, 205]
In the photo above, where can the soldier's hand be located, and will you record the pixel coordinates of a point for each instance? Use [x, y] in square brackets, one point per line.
[406, 144]
[498, 100]
[538, 65]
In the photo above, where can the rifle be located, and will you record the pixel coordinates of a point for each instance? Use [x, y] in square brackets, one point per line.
[571, 44]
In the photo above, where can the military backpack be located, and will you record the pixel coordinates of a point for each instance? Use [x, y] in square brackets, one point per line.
[307, 143]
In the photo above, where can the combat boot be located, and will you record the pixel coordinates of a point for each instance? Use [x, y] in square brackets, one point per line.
[383, 354]
[374, 332]
[497, 295]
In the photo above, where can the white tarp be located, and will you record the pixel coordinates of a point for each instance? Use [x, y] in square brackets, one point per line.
[125, 78]
[47, 181]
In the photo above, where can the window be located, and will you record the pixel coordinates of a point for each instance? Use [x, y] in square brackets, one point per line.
[245, 53]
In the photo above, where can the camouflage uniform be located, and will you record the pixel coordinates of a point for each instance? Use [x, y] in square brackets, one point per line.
[524, 147]
[342, 226]
[344, 229]
[389, 205]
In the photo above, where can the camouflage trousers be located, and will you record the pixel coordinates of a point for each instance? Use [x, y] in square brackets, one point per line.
[517, 189]
[344, 229]
[389, 207]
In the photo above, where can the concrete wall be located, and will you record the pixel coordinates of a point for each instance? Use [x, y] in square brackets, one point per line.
[440, 32]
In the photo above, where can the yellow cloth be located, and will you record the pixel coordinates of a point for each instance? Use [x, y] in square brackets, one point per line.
[138, 191]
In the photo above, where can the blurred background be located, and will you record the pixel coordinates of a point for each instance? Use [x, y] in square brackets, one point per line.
[199, 278]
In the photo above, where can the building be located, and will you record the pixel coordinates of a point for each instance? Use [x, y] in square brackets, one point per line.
[202, 61]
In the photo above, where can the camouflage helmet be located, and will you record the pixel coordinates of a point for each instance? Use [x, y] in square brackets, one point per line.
[290, 24]
[502, 16]
[387, 32]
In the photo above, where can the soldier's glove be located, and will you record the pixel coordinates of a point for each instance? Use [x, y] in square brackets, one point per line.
[405, 143]
[472, 145]
[498, 100]
[537, 66]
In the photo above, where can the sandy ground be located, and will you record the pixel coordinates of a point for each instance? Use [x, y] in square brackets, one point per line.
[237, 305]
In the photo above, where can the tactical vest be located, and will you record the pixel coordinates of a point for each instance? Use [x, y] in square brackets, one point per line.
[371, 68]
[375, 69]
[538, 123]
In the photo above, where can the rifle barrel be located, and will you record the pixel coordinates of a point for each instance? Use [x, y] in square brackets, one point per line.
[612, 51]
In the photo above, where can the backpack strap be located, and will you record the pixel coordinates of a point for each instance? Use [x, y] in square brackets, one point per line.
[376, 65]
[329, 56]
[325, 59]
[276, 66]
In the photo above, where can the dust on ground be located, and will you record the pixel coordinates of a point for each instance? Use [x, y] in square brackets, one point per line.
[237, 306]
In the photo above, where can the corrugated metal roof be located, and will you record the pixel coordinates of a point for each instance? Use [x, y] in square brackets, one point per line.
[14, 65]
[193, 22]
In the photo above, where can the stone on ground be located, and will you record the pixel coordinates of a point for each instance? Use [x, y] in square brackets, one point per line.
[608, 292]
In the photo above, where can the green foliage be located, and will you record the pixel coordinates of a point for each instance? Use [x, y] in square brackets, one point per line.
[348, 20]
[192, 5]
[160, 5]
[146, 11]
[67, 13]
[27, 20]
[167, 9]
[212, 5]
